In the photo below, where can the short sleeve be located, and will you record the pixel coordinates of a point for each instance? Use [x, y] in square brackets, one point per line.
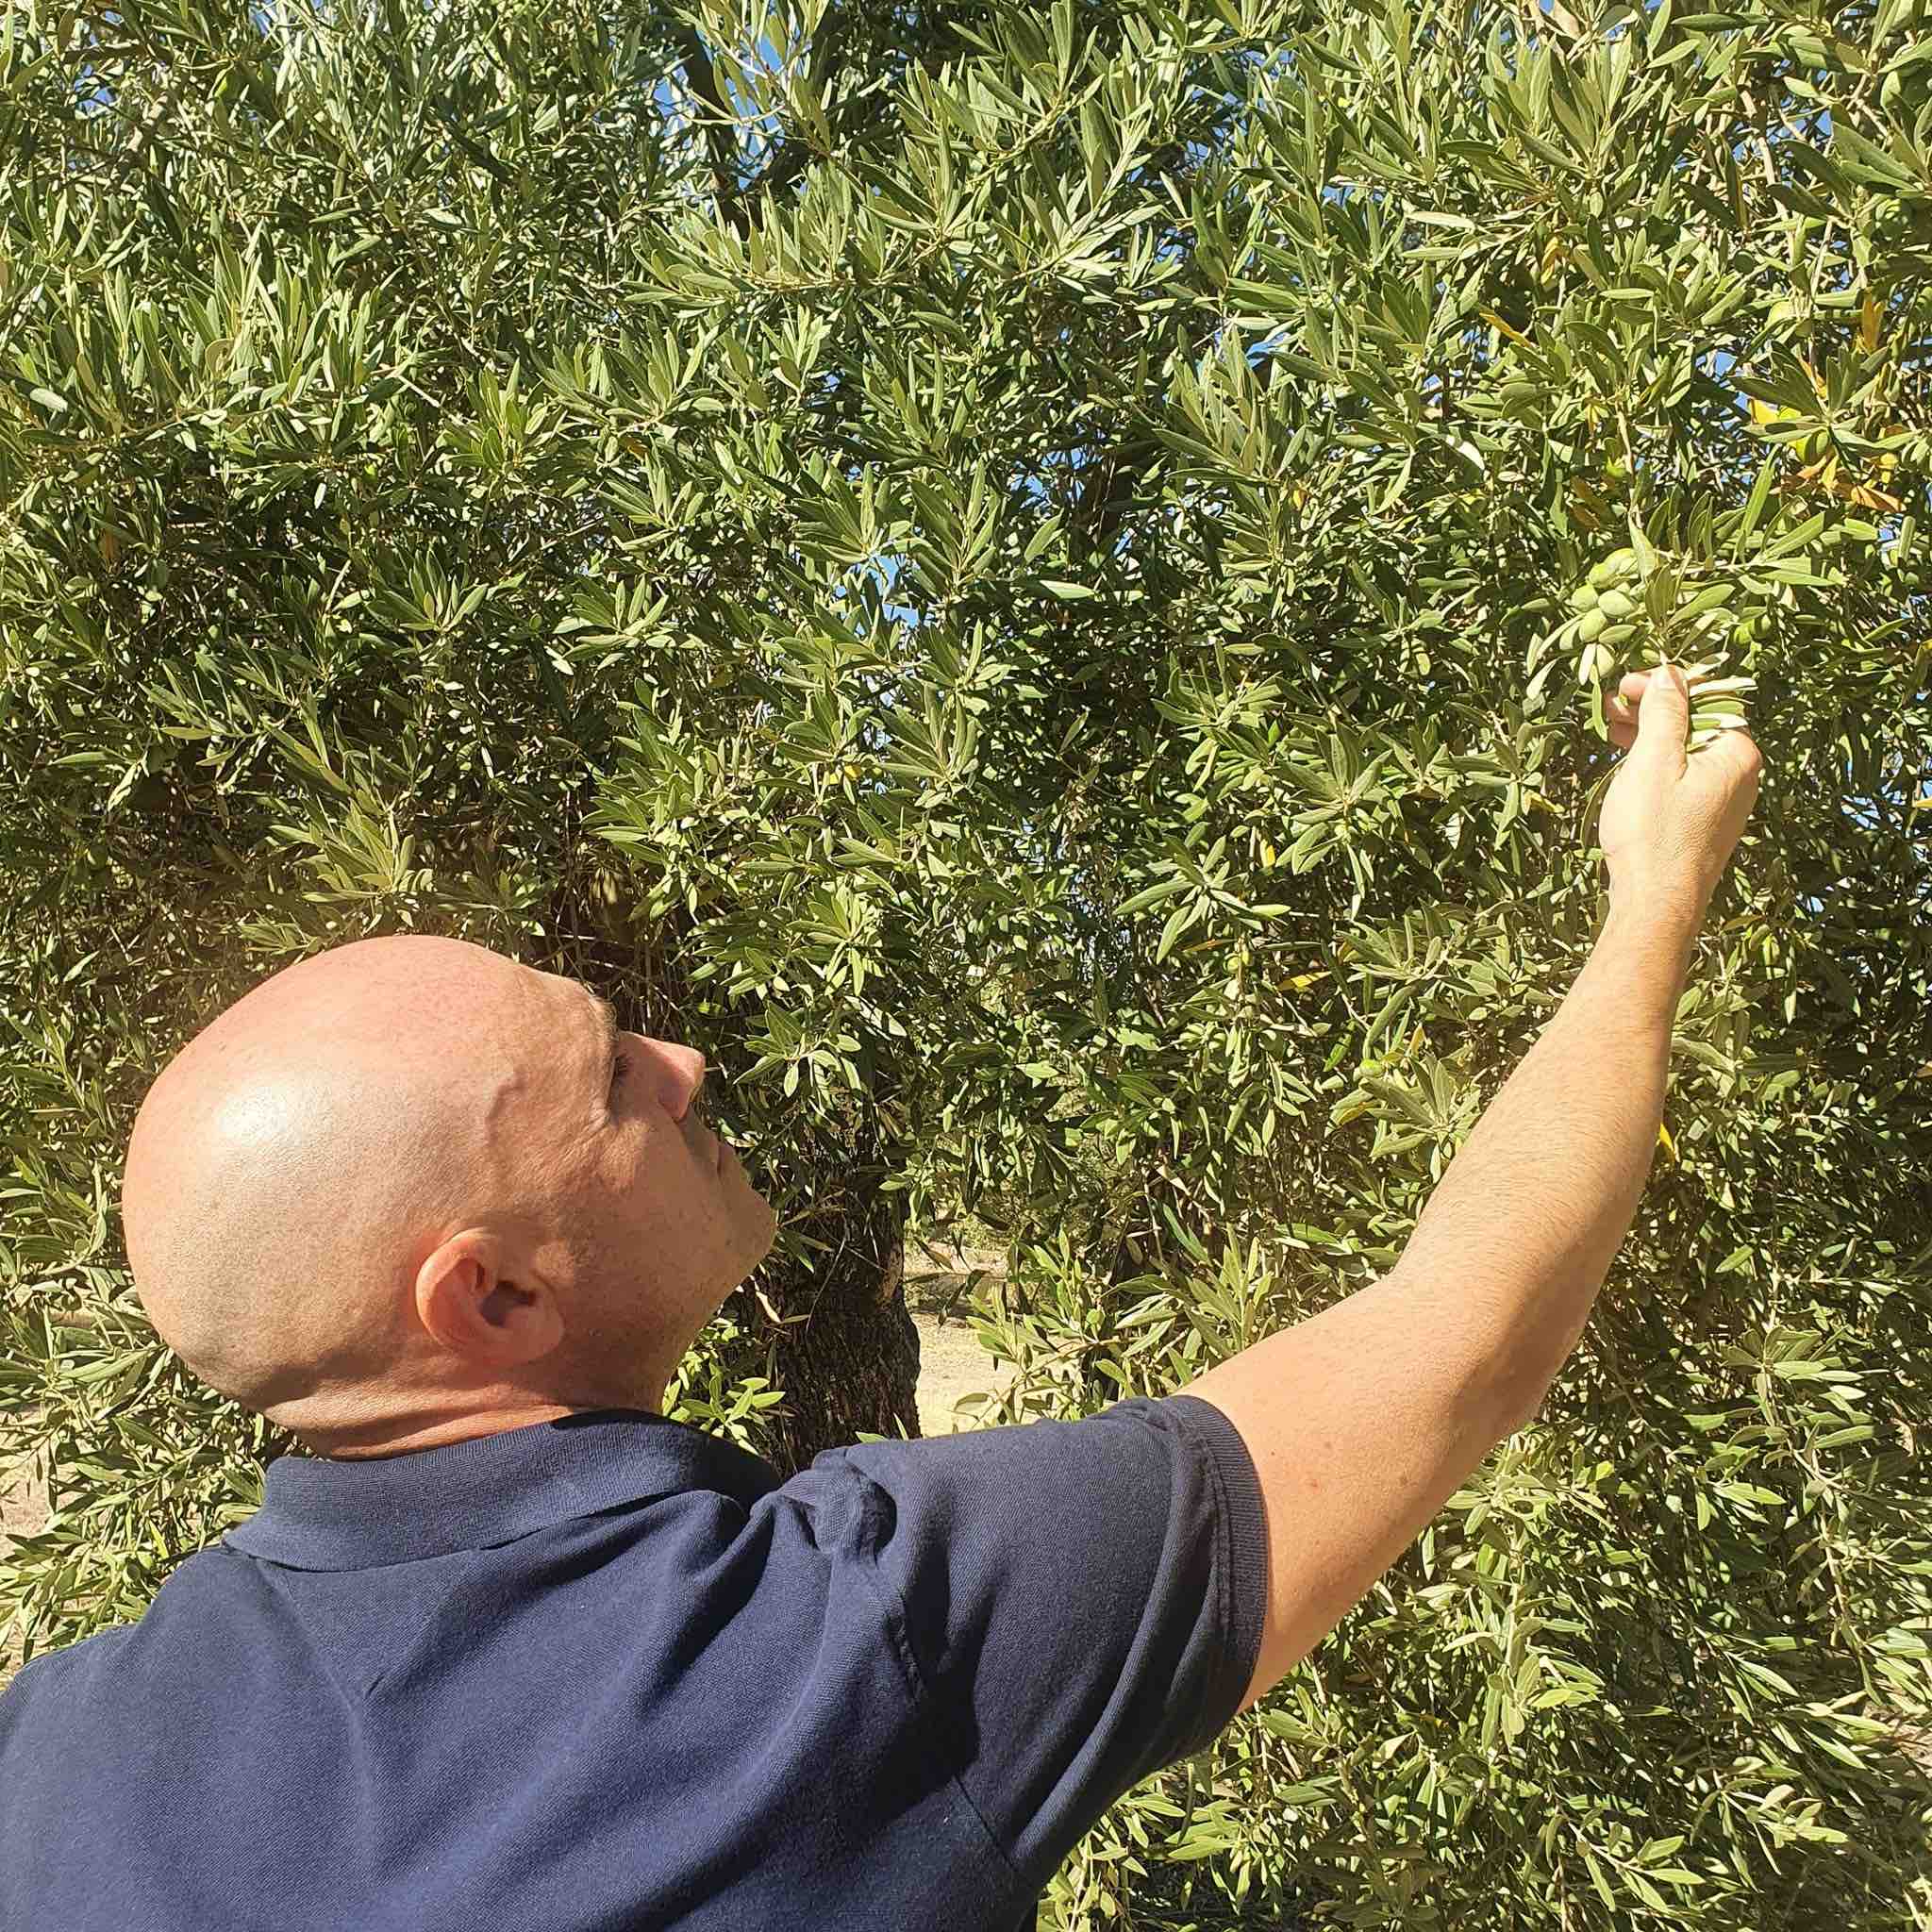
[1081, 1602]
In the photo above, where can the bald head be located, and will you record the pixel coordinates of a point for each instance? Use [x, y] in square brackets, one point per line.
[376, 1197]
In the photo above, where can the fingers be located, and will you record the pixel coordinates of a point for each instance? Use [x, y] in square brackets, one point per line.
[1620, 709]
[1623, 708]
[1663, 721]
[1731, 765]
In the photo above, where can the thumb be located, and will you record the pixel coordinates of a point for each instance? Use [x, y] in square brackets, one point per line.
[1663, 721]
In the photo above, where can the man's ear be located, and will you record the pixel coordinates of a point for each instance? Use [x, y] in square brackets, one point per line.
[463, 1300]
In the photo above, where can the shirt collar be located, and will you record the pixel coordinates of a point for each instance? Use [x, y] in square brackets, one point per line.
[323, 1513]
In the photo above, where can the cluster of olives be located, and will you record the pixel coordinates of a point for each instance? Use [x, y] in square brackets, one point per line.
[1627, 597]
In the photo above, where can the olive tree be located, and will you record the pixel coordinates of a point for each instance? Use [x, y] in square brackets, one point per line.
[1039, 584]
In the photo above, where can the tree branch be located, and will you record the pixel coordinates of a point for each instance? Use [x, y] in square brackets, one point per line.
[704, 83]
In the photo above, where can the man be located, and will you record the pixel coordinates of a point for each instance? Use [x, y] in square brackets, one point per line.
[510, 1649]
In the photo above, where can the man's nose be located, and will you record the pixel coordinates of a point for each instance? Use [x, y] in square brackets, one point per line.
[683, 1075]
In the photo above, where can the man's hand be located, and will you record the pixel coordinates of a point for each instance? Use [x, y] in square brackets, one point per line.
[1670, 820]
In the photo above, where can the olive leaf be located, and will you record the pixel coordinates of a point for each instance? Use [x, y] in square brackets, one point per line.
[1040, 586]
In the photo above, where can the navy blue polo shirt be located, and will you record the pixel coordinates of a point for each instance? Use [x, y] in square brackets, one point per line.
[609, 1673]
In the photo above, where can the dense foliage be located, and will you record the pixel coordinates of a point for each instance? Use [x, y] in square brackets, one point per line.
[1014, 575]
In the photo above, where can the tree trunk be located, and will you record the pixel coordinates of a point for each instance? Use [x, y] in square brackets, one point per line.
[846, 1354]
[850, 1358]
[852, 1363]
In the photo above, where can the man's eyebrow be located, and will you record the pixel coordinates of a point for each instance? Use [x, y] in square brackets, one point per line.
[607, 1020]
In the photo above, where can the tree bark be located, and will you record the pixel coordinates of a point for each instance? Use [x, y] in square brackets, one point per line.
[846, 1350]
[852, 1363]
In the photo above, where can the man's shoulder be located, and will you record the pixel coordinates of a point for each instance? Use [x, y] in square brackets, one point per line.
[73, 1664]
[54, 1669]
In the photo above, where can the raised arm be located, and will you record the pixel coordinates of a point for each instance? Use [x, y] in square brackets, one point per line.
[1363, 1420]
